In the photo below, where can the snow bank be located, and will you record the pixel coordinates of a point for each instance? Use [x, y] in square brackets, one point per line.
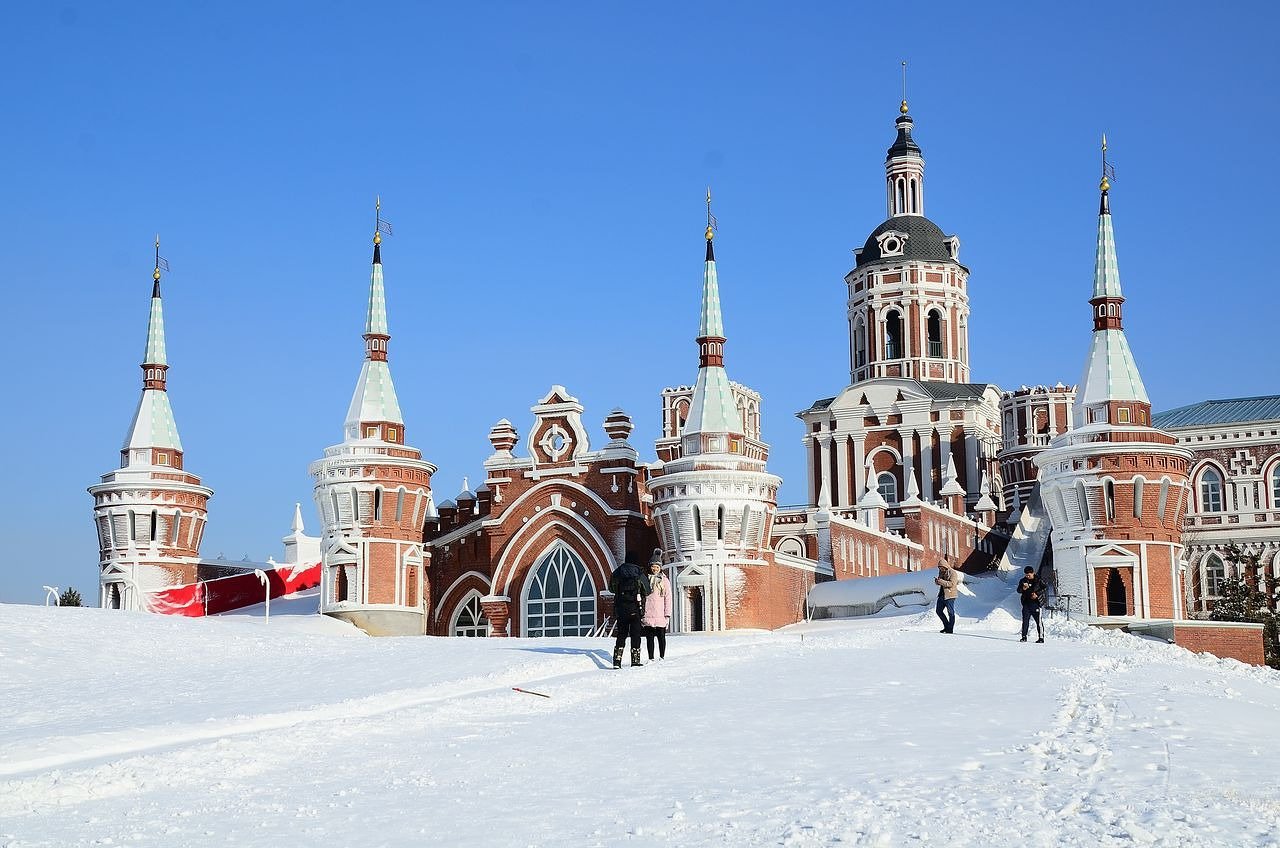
[135, 729]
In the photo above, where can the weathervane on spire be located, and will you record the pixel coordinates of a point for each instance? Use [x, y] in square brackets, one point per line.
[712, 224]
[162, 264]
[903, 107]
[380, 225]
[1108, 170]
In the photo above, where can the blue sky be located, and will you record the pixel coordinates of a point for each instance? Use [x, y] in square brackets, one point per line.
[544, 166]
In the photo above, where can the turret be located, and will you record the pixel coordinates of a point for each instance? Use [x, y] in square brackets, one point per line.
[150, 512]
[374, 494]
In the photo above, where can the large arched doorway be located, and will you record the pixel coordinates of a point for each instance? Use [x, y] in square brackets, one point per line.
[561, 599]
[1117, 603]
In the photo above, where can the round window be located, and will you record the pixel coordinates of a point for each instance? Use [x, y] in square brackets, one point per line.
[891, 246]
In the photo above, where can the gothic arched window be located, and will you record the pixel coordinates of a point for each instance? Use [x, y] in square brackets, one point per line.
[935, 334]
[562, 598]
[1275, 486]
[470, 619]
[1211, 491]
[893, 335]
[859, 344]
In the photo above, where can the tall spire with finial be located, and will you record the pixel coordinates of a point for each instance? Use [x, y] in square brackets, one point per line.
[1111, 375]
[153, 427]
[711, 409]
[375, 409]
[904, 165]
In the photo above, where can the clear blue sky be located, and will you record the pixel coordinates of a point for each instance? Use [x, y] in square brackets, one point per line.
[544, 166]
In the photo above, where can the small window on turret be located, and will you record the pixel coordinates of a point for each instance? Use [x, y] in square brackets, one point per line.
[391, 434]
[162, 459]
[1122, 415]
[371, 432]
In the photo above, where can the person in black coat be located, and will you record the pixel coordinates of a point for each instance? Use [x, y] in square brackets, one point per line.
[629, 587]
[1032, 589]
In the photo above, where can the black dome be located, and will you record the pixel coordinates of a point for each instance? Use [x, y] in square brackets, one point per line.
[925, 242]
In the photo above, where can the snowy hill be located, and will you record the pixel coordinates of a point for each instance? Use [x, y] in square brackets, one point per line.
[132, 729]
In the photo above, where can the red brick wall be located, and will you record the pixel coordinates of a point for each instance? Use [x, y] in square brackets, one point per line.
[768, 597]
[1240, 643]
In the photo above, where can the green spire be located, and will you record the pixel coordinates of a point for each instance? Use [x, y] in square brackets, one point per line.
[155, 353]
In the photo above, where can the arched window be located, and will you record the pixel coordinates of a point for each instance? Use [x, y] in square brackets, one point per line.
[1083, 498]
[470, 619]
[901, 202]
[1164, 499]
[915, 202]
[697, 524]
[1275, 486]
[1211, 491]
[887, 486]
[893, 335]
[1214, 574]
[1138, 485]
[177, 524]
[562, 598]
[962, 337]
[377, 504]
[400, 493]
[1109, 498]
[720, 523]
[133, 527]
[155, 523]
[859, 344]
[935, 334]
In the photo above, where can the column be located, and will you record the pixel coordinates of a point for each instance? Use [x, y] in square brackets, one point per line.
[859, 467]
[824, 440]
[926, 465]
[908, 460]
[810, 447]
[972, 476]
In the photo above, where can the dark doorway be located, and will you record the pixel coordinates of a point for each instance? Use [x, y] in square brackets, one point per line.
[341, 591]
[1117, 604]
[113, 596]
[697, 615]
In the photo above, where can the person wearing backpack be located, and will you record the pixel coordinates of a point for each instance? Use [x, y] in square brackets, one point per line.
[629, 588]
[1031, 589]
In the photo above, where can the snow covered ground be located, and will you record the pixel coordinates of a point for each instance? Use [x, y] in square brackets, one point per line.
[131, 729]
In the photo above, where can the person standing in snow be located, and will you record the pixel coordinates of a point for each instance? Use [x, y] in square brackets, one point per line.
[948, 583]
[630, 588]
[657, 608]
[1031, 588]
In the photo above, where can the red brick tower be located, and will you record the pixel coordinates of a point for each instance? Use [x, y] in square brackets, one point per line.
[150, 512]
[373, 492]
[1115, 487]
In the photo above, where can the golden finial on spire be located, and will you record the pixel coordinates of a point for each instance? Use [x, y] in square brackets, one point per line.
[1105, 184]
[903, 107]
[377, 219]
[156, 275]
[711, 219]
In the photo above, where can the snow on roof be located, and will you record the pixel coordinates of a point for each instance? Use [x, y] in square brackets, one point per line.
[869, 590]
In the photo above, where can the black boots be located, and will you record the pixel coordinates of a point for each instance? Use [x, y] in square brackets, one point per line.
[635, 657]
[617, 657]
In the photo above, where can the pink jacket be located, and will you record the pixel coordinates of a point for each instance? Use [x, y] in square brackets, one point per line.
[657, 607]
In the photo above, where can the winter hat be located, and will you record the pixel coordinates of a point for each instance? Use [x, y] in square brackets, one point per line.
[656, 559]
[1028, 570]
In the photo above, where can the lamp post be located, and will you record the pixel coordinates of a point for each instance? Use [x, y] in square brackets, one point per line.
[266, 585]
[51, 592]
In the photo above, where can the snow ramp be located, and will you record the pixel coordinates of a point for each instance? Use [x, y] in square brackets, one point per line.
[1030, 538]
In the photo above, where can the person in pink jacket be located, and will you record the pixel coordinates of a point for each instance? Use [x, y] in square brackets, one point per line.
[657, 608]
